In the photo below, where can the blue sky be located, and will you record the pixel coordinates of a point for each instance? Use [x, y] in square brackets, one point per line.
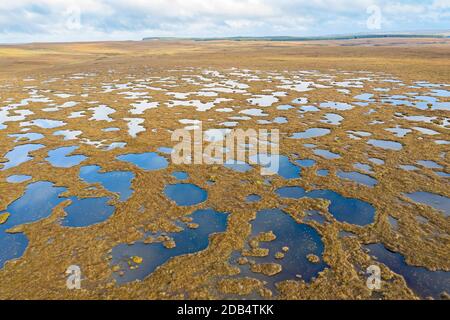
[88, 20]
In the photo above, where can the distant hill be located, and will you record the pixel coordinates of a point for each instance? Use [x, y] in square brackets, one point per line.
[443, 34]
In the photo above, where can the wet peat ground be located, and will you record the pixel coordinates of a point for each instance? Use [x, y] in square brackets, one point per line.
[87, 176]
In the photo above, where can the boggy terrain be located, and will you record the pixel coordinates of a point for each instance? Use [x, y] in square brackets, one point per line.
[87, 177]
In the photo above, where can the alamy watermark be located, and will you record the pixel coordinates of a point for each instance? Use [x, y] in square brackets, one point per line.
[373, 22]
[228, 147]
[74, 277]
[72, 17]
[374, 280]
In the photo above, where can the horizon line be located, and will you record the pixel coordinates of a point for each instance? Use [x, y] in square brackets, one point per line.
[430, 33]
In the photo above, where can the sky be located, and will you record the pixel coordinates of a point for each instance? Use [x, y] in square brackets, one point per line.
[24, 21]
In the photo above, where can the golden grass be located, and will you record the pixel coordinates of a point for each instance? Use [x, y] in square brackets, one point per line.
[415, 58]
[193, 276]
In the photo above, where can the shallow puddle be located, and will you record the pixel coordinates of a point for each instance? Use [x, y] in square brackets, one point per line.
[238, 166]
[357, 177]
[60, 158]
[326, 154]
[18, 178]
[436, 201]
[87, 211]
[314, 215]
[252, 198]
[135, 126]
[165, 150]
[385, 144]
[115, 145]
[285, 107]
[254, 112]
[336, 105]
[286, 168]
[263, 100]
[185, 194]
[429, 164]
[142, 106]
[44, 123]
[68, 134]
[363, 167]
[332, 118]
[376, 161]
[393, 222]
[399, 132]
[306, 163]
[147, 161]
[304, 109]
[322, 173]
[357, 135]
[118, 182]
[156, 254]
[111, 129]
[280, 120]
[353, 211]
[37, 203]
[408, 167]
[422, 281]
[180, 175]
[30, 136]
[365, 97]
[215, 135]
[102, 113]
[311, 133]
[302, 100]
[19, 155]
[426, 131]
[295, 241]
[440, 93]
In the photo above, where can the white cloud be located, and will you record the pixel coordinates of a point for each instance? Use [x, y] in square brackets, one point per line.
[404, 8]
[46, 20]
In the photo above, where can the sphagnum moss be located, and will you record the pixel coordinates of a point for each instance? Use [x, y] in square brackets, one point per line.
[209, 274]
